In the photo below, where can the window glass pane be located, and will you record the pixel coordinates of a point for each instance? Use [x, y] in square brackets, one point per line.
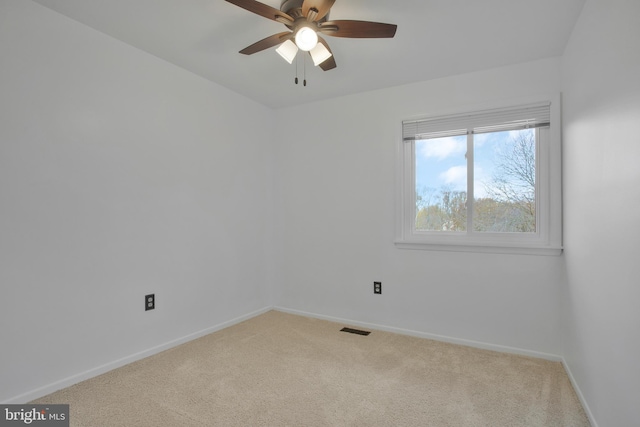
[504, 181]
[441, 184]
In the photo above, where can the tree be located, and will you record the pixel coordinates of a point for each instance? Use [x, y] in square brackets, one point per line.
[513, 184]
[441, 210]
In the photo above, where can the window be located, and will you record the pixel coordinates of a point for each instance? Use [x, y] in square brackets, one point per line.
[483, 181]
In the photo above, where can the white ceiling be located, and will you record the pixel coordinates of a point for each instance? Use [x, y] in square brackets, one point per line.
[435, 38]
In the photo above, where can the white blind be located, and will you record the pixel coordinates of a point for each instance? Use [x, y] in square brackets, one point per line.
[521, 117]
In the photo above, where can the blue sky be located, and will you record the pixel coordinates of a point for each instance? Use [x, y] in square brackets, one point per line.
[441, 162]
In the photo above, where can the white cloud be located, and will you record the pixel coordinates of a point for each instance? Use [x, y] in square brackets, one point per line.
[455, 176]
[442, 148]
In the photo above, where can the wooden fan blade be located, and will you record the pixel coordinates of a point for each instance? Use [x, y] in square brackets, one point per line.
[330, 63]
[260, 9]
[322, 6]
[358, 29]
[266, 43]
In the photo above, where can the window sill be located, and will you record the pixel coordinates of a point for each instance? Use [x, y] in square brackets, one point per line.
[482, 248]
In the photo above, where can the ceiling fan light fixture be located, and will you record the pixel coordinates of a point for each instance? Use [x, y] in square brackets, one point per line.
[319, 54]
[288, 51]
[306, 38]
[305, 20]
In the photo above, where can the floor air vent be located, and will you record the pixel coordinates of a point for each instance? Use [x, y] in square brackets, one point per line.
[355, 331]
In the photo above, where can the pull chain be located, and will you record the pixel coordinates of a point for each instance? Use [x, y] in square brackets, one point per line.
[304, 70]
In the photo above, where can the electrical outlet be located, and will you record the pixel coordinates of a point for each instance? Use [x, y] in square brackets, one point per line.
[149, 302]
[377, 287]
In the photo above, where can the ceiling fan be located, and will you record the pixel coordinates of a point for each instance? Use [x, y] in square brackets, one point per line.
[306, 20]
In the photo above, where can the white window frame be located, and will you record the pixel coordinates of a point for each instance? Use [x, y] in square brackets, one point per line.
[547, 240]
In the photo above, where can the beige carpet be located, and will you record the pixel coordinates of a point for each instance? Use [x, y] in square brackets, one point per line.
[278, 369]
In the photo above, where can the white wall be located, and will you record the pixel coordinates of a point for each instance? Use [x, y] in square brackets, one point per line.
[601, 83]
[336, 169]
[120, 175]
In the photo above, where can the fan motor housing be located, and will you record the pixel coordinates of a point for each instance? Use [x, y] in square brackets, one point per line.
[293, 8]
[287, 5]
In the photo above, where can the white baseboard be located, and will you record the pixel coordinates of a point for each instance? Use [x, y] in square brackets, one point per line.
[469, 343]
[581, 398]
[66, 382]
[74, 379]
[435, 337]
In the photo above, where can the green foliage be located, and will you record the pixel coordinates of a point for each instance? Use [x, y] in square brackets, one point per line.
[494, 216]
[442, 210]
